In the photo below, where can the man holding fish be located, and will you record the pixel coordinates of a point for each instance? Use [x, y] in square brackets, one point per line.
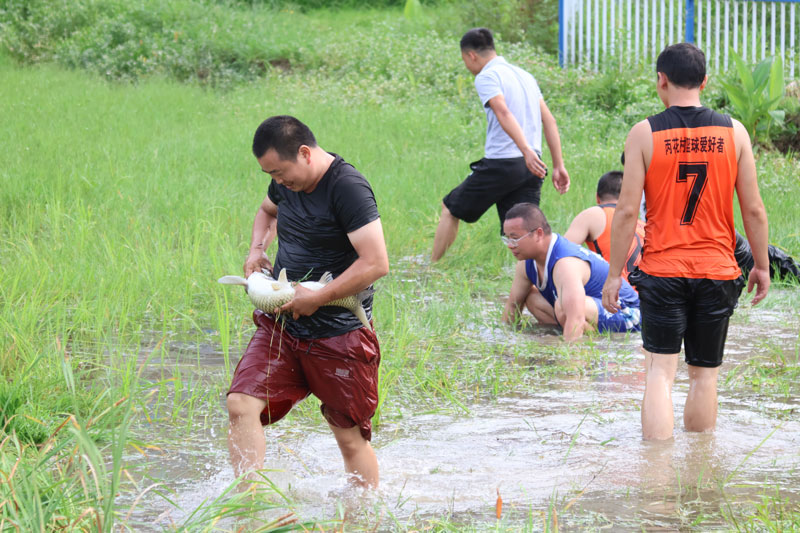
[325, 215]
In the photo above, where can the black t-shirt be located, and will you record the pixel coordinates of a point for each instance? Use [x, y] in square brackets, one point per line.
[312, 240]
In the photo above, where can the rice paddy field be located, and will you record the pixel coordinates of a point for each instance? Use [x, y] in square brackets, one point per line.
[127, 187]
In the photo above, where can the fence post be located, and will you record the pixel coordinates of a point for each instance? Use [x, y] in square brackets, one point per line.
[561, 34]
[690, 21]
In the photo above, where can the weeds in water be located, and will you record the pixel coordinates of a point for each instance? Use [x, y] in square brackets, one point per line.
[772, 370]
[72, 480]
[258, 507]
[774, 511]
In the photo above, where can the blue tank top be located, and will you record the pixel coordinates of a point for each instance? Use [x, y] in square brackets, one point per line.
[560, 248]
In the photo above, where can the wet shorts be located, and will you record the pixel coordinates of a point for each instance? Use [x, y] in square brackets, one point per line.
[500, 182]
[341, 371]
[695, 311]
[626, 319]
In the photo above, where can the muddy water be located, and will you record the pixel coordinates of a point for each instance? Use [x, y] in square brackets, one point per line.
[574, 444]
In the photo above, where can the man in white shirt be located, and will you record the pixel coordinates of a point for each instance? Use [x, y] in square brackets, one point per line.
[511, 170]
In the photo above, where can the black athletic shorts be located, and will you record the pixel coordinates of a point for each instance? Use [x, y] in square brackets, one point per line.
[500, 182]
[695, 311]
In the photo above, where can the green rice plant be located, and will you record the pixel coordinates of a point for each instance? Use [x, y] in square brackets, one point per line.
[72, 481]
[65, 483]
[224, 327]
[250, 505]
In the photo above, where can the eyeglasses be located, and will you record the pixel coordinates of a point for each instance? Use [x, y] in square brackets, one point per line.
[508, 241]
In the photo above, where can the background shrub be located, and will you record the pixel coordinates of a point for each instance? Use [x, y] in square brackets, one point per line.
[531, 21]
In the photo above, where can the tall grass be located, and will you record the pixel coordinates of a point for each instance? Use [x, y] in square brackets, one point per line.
[71, 483]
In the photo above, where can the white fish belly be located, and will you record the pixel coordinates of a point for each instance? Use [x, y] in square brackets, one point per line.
[269, 301]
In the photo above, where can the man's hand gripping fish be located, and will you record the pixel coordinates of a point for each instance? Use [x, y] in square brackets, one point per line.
[269, 294]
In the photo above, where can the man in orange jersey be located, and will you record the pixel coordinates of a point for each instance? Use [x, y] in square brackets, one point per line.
[781, 264]
[592, 226]
[689, 160]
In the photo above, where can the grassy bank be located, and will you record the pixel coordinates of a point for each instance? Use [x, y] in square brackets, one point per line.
[123, 203]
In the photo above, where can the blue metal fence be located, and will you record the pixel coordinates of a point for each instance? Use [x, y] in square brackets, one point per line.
[593, 33]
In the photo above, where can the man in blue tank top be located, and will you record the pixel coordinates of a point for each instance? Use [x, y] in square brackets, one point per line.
[558, 281]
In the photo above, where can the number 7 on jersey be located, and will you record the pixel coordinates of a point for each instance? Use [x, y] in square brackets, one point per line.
[698, 172]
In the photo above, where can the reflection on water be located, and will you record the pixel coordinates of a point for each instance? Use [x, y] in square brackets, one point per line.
[574, 443]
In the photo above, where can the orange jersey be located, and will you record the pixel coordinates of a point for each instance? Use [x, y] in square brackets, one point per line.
[602, 244]
[689, 190]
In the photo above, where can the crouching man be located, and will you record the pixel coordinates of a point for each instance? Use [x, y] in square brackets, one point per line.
[558, 281]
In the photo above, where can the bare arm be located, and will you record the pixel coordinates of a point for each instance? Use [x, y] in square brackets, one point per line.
[568, 279]
[754, 215]
[587, 225]
[372, 263]
[638, 150]
[520, 288]
[514, 130]
[264, 232]
[550, 128]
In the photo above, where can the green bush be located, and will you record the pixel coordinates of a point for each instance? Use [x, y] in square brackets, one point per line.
[187, 40]
[531, 21]
[754, 97]
[223, 43]
[306, 5]
[787, 138]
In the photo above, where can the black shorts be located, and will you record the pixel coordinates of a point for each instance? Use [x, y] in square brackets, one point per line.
[500, 182]
[695, 311]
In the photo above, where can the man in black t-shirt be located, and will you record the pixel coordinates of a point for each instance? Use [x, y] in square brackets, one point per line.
[325, 215]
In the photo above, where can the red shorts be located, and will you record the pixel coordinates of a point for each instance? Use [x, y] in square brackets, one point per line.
[341, 371]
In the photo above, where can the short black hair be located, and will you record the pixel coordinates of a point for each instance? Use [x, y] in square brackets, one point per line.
[285, 134]
[478, 39]
[533, 216]
[683, 64]
[609, 184]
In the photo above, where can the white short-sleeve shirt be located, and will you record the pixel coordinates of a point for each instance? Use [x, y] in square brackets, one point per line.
[522, 95]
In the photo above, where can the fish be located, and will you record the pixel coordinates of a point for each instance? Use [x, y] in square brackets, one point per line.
[267, 293]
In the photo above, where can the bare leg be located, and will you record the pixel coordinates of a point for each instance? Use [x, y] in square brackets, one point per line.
[540, 308]
[246, 442]
[359, 457]
[700, 412]
[446, 233]
[658, 418]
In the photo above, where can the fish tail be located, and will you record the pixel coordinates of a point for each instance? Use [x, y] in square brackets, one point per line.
[232, 280]
[361, 314]
[359, 307]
